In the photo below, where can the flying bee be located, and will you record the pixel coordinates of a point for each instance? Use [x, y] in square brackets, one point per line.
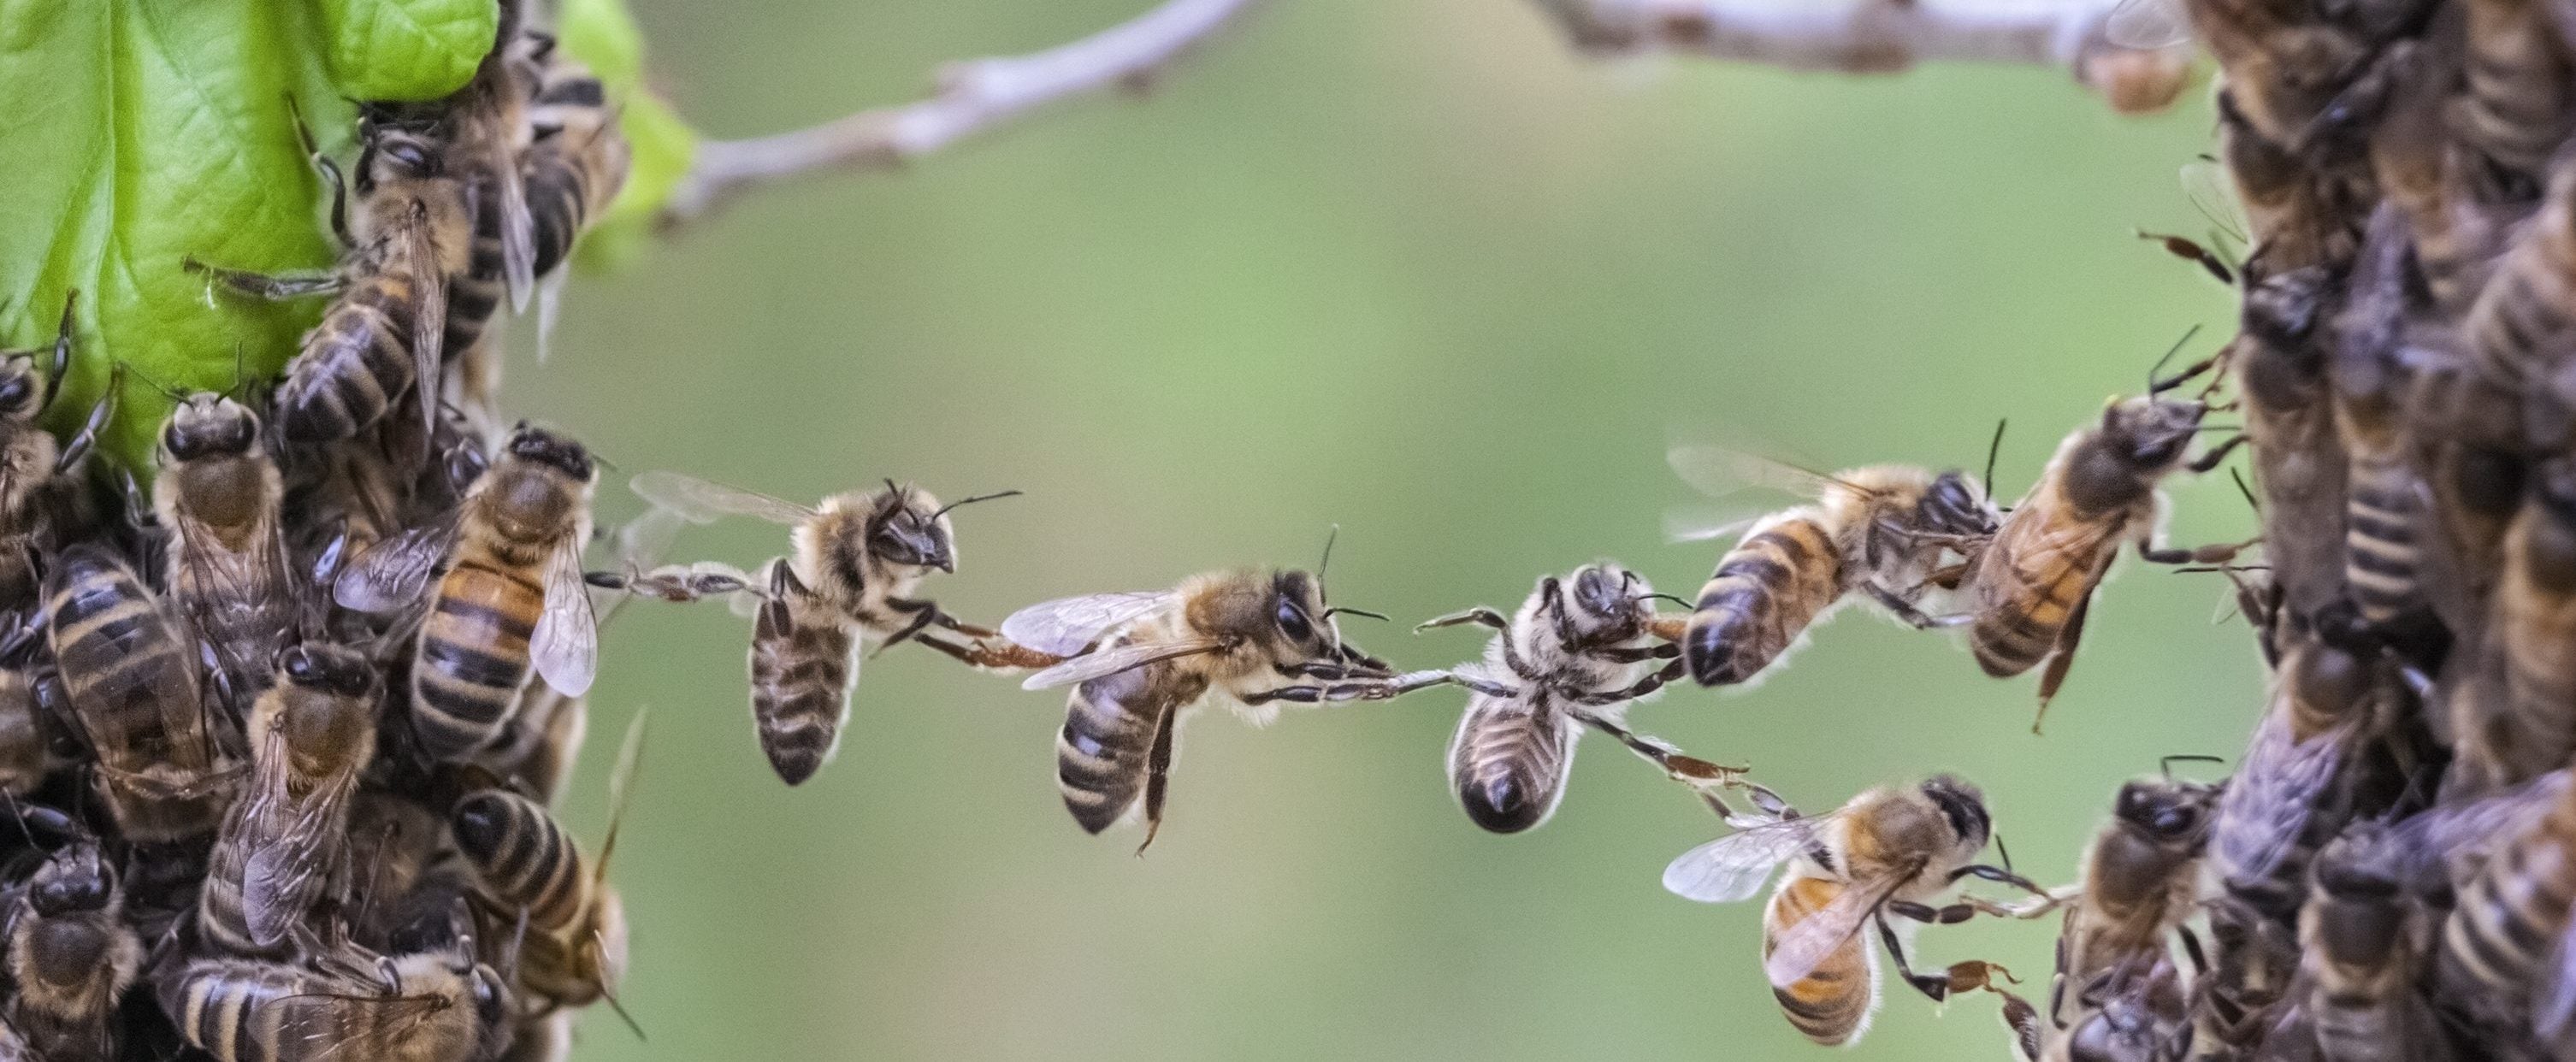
[512, 594]
[1139, 661]
[1889, 851]
[383, 334]
[1881, 530]
[165, 763]
[218, 495]
[425, 1007]
[284, 847]
[1577, 652]
[860, 560]
[528, 871]
[2031, 585]
[2140, 883]
[35, 459]
[2363, 940]
[71, 955]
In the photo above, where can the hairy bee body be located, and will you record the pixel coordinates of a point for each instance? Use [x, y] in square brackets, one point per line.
[1831, 1005]
[2362, 941]
[26, 739]
[247, 1011]
[2298, 456]
[1794, 566]
[163, 761]
[218, 496]
[2535, 632]
[524, 864]
[803, 665]
[72, 956]
[1112, 725]
[30, 457]
[2519, 87]
[2141, 881]
[577, 162]
[2294, 789]
[2516, 331]
[505, 572]
[284, 847]
[2497, 942]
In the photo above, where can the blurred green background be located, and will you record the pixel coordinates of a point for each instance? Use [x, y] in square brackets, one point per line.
[1415, 269]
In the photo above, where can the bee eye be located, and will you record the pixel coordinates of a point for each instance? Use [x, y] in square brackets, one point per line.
[15, 390]
[1292, 621]
[409, 156]
[2174, 820]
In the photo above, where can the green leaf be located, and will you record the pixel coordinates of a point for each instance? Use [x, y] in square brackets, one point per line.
[602, 34]
[141, 132]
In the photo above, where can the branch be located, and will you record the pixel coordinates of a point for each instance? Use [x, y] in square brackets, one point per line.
[1886, 36]
[973, 97]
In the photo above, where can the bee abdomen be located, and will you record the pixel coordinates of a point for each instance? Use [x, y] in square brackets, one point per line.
[1509, 763]
[221, 920]
[473, 657]
[1764, 594]
[1100, 756]
[1831, 1003]
[800, 690]
[521, 858]
[2380, 539]
[2515, 316]
[242, 1011]
[353, 365]
[2510, 915]
[558, 206]
[22, 738]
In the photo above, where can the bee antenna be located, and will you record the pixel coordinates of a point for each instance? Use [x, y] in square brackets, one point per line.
[898, 492]
[2166, 764]
[172, 393]
[1994, 447]
[2155, 387]
[1326, 564]
[1339, 611]
[622, 1015]
[2004, 852]
[943, 510]
[1683, 602]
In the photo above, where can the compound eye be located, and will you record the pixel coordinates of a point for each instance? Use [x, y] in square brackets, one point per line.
[1292, 621]
[299, 665]
[408, 155]
[2175, 821]
[15, 390]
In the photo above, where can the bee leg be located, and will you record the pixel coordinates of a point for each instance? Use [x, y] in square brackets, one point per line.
[1936, 986]
[1551, 594]
[273, 287]
[2217, 553]
[1686, 769]
[2000, 876]
[2062, 656]
[1902, 609]
[1624, 655]
[62, 362]
[1479, 615]
[2216, 454]
[922, 616]
[1364, 690]
[78, 445]
[1158, 772]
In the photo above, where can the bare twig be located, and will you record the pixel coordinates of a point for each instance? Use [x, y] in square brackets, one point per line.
[973, 96]
[1885, 36]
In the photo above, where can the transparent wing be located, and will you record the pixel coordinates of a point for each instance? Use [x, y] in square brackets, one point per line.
[250, 587]
[2269, 799]
[1718, 471]
[2147, 25]
[291, 863]
[1113, 660]
[518, 230]
[2555, 1003]
[1068, 625]
[2207, 185]
[1733, 867]
[565, 647]
[2436, 839]
[419, 254]
[701, 502]
[1799, 949]
[1708, 523]
[391, 575]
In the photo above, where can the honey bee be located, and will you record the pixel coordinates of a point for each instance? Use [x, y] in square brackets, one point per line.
[29, 734]
[2031, 585]
[2144, 1021]
[576, 162]
[2502, 960]
[2362, 940]
[1577, 652]
[71, 955]
[2386, 494]
[2298, 458]
[487, 126]
[2513, 110]
[32, 455]
[284, 847]
[2521, 319]
[526, 869]
[2297, 215]
[2292, 791]
[1889, 851]
[2141, 882]
[1139, 661]
[860, 559]
[386, 327]
[2533, 728]
[512, 594]
[218, 496]
[165, 763]
[1881, 530]
[429, 1007]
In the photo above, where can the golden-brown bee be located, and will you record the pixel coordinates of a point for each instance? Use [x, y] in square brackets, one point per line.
[2531, 727]
[1889, 851]
[2386, 496]
[284, 847]
[524, 865]
[511, 595]
[2297, 215]
[576, 160]
[2030, 586]
[2517, 328]
[2517, 102]
[2363, 939]
[1881, 530]
[860, 559]
[2280, 360]
[217, 496]
[428, 1007]
[2503, 961]
[33, 458]
[2140, 883]
[71, 955]
[1139, 661]
[382, 336]
[1577, 652]
[165, 762]
[486, 126]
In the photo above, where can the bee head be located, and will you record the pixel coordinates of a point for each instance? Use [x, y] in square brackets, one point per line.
[1963, 805]
[1297, 614]
[396, 146]
[20, 387]
[551, 450]
[1606, 601]
[908, 527]
[207, 424]
[1953, 506]
[329, 668]
[76, 879]
[2163, 810]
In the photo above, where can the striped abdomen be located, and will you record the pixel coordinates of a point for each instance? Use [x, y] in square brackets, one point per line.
[1764, 594]
[802, 670]
[2535, 624]
[1109, 729]
[1509, 761]
[133, 686]
[354, 364]
[474, 295]
[572, 170]
[2512, 115]
[2026, 594]
[2521, 319]
[2383, 515]
[243, 1011]
[221, 921]
[2510, 915]
[1831, 1003]
[473, 656]
[522, 859]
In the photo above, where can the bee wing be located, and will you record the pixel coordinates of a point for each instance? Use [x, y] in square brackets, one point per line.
[518, 230]
[1718, 471]
[565, 647]
[2268, 800]
[253, 580]
[391, 574]
[701, 502]
[291, 853]
[2436, 839]
[2555, 1004]
[419, 254]
[2147, 25]
[2207, 185]
[1708, 523]
[1115, 659]
[1799, 949]
[1733, 867]
[1068, 625]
